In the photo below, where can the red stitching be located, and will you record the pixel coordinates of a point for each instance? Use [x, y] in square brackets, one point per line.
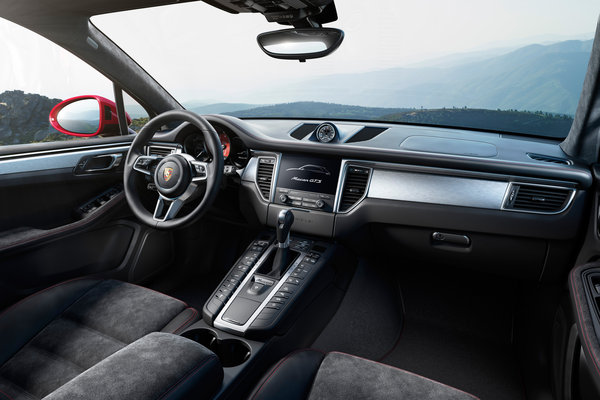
[187, 376]
[5, 395]
[279, 365]
[405, 371]
[579, 312]
[186, 322]
[40, 292]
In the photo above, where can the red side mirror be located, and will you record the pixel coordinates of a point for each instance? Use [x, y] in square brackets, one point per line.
[86, 116]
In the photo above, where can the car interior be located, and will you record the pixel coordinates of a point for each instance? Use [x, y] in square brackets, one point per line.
[213, 256]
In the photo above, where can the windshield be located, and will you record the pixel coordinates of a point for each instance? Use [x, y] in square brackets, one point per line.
[508, 66]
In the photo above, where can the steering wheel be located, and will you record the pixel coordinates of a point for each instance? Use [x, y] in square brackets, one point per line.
[179, 178]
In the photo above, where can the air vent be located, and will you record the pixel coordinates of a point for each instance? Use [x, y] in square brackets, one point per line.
[264, 176]
[535, 198]
[366, 133]
[161, 151]
[355, 186]
[549, 159]
[303, 130]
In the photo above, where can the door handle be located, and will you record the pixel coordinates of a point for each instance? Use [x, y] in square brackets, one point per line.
[98, 163]
[113, 160]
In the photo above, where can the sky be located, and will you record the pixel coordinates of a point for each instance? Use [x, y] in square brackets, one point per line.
[200, 53]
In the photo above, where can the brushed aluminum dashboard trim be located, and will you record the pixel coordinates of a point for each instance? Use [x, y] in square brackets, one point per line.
[437, 189]
[431, 185]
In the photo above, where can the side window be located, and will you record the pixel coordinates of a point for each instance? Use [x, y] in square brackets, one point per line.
[139, 116]
[36, 75]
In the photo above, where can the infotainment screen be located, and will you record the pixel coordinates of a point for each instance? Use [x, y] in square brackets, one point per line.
[309, 174]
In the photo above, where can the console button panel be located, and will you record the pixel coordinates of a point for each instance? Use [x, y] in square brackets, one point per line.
[249, 300]
[235, 277]
[310, 200]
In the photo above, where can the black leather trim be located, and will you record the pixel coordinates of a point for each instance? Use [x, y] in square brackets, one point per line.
[23, 320]
[291, 378]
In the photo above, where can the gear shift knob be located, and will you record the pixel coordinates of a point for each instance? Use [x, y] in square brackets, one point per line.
[285, 219]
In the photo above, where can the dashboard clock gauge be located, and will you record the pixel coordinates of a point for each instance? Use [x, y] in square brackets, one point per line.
[326, 132]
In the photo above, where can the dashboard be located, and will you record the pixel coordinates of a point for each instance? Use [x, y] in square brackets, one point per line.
[455, 194]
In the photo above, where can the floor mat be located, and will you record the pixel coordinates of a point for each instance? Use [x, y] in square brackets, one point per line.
[368, 322]
[485, 370]
[458, 330]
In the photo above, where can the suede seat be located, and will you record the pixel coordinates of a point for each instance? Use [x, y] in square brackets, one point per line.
[314, 375]
[79, 328]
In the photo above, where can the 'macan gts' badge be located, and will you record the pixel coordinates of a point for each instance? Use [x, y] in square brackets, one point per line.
[167, 173]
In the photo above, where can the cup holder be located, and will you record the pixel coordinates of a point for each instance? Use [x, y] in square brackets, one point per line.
[231, 352]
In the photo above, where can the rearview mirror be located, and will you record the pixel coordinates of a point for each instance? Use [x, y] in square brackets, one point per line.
[86, 116]
[300, 44]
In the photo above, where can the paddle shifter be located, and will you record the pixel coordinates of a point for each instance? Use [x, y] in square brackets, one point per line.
[285, 219]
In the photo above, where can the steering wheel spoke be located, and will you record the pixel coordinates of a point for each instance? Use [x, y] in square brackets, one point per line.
[144, 164]
[167, 209]
[201, 171]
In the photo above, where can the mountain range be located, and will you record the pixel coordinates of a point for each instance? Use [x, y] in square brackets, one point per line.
[533, 89]
[545, 78]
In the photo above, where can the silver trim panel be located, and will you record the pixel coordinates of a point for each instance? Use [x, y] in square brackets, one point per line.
[437, 189]
[68, 159]
[249, 173]
[63, 150]
[430, 185]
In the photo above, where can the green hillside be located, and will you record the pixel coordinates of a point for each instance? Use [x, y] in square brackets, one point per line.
[534, 123]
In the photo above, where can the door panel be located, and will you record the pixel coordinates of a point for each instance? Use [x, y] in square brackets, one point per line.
[63, 214]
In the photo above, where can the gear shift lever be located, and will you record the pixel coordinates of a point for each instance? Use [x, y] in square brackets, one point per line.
[285, 219]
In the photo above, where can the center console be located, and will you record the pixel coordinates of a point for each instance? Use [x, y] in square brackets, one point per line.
[248, 317]
[282, 279]
[263, 286]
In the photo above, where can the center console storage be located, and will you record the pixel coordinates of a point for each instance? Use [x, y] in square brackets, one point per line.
[236, 355]
[231, 352]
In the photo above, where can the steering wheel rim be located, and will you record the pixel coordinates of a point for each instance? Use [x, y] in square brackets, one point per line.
[188, 174]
